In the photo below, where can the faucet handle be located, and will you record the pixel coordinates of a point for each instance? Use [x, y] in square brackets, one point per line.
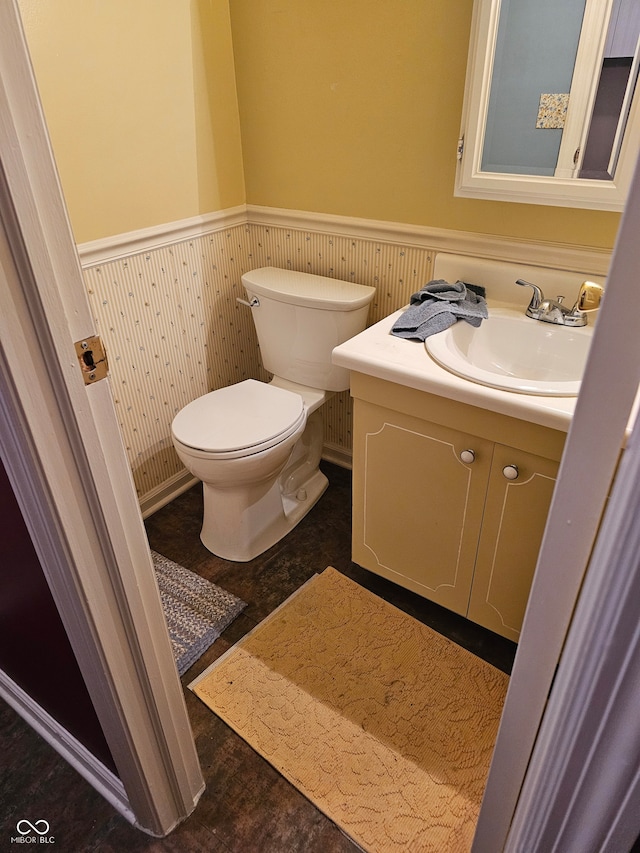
[589, 296]
[538, 296]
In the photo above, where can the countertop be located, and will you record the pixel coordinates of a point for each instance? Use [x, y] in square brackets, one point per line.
[376, 352]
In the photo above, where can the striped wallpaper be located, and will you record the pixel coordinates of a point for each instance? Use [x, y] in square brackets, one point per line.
[173, 329]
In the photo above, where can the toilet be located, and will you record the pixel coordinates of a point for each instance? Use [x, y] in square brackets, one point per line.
[257, 446]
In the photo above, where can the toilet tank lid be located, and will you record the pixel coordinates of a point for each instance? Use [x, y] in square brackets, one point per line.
[313, 291]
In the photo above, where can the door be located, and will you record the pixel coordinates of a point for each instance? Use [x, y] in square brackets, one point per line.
[418, 513]
[518, 499]
[63, 454]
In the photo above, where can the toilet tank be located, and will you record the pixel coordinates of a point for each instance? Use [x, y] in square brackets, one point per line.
[301, 318]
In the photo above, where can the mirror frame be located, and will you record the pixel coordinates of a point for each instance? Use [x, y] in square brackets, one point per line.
[472, 182]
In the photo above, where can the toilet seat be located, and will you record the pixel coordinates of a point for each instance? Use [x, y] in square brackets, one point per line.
[239, 420]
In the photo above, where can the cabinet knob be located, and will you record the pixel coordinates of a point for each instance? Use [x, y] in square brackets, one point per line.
[511, 472]
[468, 456]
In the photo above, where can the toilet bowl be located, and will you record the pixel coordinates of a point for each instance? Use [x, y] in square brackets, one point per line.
[257, 446]
[252, 497]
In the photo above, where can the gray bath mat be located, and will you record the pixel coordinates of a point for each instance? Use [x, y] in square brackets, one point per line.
[197, 611]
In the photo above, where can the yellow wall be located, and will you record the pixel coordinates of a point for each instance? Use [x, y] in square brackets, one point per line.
[353, 107]
[141, 106]
[346, 106]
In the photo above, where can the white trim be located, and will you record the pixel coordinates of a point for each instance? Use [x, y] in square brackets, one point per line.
[146, 239]
[338, 455]
[554, 255]
[168, 491]
[74, 753]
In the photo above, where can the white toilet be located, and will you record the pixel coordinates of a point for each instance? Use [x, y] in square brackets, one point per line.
[257, 446]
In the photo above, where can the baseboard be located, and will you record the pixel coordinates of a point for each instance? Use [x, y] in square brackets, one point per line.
[67, 746]
[338, 456]
[166, 492]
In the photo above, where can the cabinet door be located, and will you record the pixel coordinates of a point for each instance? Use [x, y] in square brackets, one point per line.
[515, 516]
[417, 505]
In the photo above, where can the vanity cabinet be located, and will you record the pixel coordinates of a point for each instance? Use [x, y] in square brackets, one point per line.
[450, 500]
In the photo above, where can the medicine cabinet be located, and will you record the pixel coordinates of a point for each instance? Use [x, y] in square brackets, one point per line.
[551, 111]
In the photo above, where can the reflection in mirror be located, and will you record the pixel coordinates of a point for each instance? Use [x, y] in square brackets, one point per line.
[535, 53]
[602, 90]
[550, 112]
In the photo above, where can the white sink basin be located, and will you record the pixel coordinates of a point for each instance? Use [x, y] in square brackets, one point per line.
[515, 353]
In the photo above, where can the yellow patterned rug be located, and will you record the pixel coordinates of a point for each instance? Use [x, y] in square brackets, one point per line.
[384, 724]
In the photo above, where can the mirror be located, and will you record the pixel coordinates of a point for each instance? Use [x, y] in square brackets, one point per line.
[551, 111]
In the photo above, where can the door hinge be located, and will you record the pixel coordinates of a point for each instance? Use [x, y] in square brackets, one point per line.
[460, 148]
[92, 359]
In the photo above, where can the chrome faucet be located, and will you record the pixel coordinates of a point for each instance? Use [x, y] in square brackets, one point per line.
[554, 311]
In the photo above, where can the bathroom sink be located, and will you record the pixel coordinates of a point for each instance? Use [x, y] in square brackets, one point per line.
[515, 353]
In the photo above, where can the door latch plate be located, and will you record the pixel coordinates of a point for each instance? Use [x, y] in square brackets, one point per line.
[92, 359]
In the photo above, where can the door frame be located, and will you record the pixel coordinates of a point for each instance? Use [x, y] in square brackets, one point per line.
[64, 455]
[582, 788]
[549, 672]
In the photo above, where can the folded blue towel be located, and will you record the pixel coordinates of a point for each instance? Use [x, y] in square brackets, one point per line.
[437, 306]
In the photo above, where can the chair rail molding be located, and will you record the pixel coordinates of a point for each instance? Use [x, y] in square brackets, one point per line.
[146, 239]
[556, 255]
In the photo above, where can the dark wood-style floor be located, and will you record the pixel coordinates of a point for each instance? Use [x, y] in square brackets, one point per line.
[247, 806]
